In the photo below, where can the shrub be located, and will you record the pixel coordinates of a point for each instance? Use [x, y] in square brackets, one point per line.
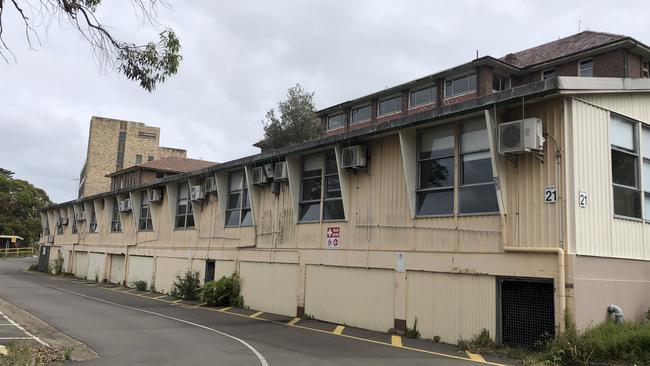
[412, 332]
[33, 267]
[224, 292]
[140, 285]
[187, 286]
[55, 267]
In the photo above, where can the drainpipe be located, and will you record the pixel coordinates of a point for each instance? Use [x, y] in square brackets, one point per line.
[561, 279]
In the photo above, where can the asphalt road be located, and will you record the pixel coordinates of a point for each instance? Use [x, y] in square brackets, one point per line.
[130, 330]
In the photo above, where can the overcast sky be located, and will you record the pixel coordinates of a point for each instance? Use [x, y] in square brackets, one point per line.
[239, 58]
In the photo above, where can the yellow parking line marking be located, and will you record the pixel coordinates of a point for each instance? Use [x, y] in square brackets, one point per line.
[224, 309]
[257, 314]
[475, 356]
[176, 301]
[159, 297]
[199, 305]
[338, 330]
[293, 321]
[396, 341]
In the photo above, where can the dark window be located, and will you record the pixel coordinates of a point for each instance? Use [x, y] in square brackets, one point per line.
[586, 68]
[547, 74]
[435, 193]
[527, 312]
[150, 158]
[59, 228]
[422, 96]
[318, 171]
[160, 175]
[121, 141]
[335, 122]
[390, 105]
[147, 135]
[74, 226]
[461, 85]
[500, 82]
[625, 167]
[93, 219]
[238, 209]
[184, 213]
[645, 69]
[116, 224]
[138, 159]
[477, 192]
[360, 114]
[144, 222]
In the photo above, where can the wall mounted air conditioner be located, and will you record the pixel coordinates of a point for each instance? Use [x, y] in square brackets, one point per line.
[209, 185]
[259, 175]
[268, 170]
[354, 157]
[521, 136]
[80, 216]
[155, 195]
[50, 239]
[196, 193]
[124, 206]
[280, 171]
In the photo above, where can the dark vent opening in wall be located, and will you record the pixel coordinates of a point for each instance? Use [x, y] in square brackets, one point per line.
[527, 312]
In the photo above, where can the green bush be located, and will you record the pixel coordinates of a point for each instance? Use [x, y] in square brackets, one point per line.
[140, 285]
[187, 286]
[412, 332]
[224, 292]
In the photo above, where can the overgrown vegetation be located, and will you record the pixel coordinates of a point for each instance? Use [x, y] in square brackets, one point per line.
[33, 267]
[55, 267]
[140, 285]
[187, 286]
[18, 354]
[412, 332]
[223, 292]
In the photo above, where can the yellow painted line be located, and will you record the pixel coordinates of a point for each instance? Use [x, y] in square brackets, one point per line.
[159, 297]
[199, 305]
[257, 314]
[226, 309]
[396, 341]
[338, 330]
[131, 291]
[176, 301]
[293, 321]
[475, 356]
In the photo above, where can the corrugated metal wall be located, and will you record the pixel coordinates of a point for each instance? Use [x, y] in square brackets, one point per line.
[117, 268]
[451, 306]
[270, 287]
[140, 269]
[81, 264]
[223, 269]
[166, 271]
[96, 266]
[354, 296]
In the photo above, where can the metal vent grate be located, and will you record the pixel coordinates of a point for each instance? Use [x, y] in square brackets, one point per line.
[527, 312]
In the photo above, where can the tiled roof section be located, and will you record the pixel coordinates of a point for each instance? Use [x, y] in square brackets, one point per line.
[177, 164]
[562, 47]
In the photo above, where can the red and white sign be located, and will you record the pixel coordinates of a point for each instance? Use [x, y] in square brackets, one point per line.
[333, 237]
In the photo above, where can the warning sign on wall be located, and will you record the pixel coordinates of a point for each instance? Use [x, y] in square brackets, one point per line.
[333, 237]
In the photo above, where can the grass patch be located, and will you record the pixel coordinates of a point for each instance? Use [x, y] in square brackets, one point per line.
[18, 355]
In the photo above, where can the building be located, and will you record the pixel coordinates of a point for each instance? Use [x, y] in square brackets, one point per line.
[115, 144]
[455, 211]
[148, 172]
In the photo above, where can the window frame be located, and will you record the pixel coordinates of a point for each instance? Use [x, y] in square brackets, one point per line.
[330, 117]
[369, 106]
[92, 224]
[458, 77]
[323, 156]
[116, 220]
[189, 210]
[638, 174]
[243, 193]
[543, 72]
[434, 100]
[385, 99]
[146, 218]
[645, 69]
[502, 77]
[580, 70]
[461, 172]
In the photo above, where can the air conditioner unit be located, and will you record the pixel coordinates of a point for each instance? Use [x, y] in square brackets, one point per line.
[259, 176]
[124, 206]
[209, 185]
[80, 216]
[268, 169]
[280, 171]
[521, 136]
[50, 239]
[63, 220]
[155, 195]
[196, 193]
[354, 157]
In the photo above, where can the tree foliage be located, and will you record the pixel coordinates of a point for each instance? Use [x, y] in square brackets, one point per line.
[20, 203]
[296, 122]
[148, 64]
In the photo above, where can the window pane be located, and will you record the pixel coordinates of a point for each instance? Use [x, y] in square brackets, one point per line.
[183, 191]
[235, 183]
[548, 74]
[182, 208]
[142, 225]
[311, 189]
[312, 166]
[436, 202]
[474, 137]
[180, 221]
[333, 187]
[360, 114]
[336, 121]
[624, 168]
[647, 207]
[646, 176]
[586, 68]
[477, 168]
[437, 173]
[645, 142]
[232, 218]
[390, 105]
[333, 210]
[233, 200]
[437, 142]
[627, 202]
[190, 221]
[247, 203]
[330, 166]
[309, 212]
[422, 96]
[622, 133]
[481, 198]
[247, 218]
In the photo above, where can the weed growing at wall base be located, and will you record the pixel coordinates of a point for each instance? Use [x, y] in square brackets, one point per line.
[224, 292]
[187, 286]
